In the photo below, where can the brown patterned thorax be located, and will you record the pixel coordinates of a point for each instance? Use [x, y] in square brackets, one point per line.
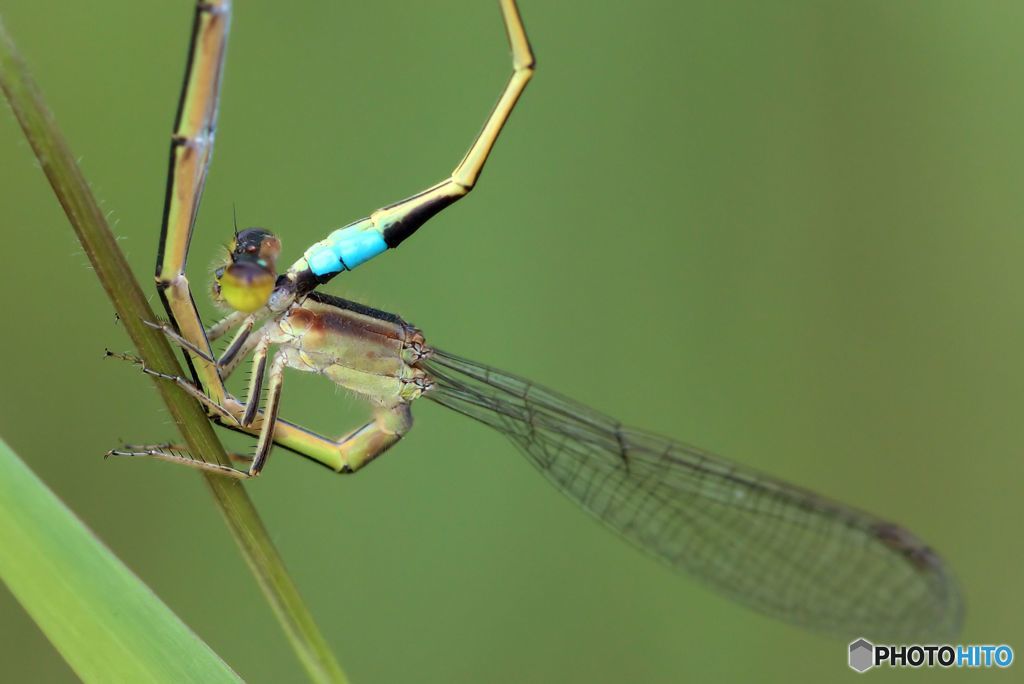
[368, 351]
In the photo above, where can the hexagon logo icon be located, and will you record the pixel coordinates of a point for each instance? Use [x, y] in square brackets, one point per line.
[862, 655]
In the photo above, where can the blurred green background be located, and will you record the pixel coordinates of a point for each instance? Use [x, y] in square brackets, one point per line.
[788, 231]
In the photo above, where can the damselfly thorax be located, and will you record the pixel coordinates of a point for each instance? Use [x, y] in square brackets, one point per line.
[370, 352]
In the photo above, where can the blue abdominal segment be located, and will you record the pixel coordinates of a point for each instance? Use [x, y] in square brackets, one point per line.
[345, 248]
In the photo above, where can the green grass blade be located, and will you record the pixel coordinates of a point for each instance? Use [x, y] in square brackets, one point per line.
[106, 623]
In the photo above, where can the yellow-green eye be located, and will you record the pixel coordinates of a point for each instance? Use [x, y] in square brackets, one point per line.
[246, 287]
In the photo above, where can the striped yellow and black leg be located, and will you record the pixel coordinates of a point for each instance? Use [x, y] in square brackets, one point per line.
[269, 414]
[243, 343]
[364, 444]
[173, 453]
[227, 415]
[352, 451]
[345, 455]
[226, 325]
[227, 410]
[259, 367]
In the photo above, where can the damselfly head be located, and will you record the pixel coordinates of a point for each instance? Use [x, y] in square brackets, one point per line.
[246, 280]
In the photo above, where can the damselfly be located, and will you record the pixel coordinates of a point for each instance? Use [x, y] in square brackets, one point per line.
[788, 552]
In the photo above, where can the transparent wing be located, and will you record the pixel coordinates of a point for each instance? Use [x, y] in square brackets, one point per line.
[782, 550]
